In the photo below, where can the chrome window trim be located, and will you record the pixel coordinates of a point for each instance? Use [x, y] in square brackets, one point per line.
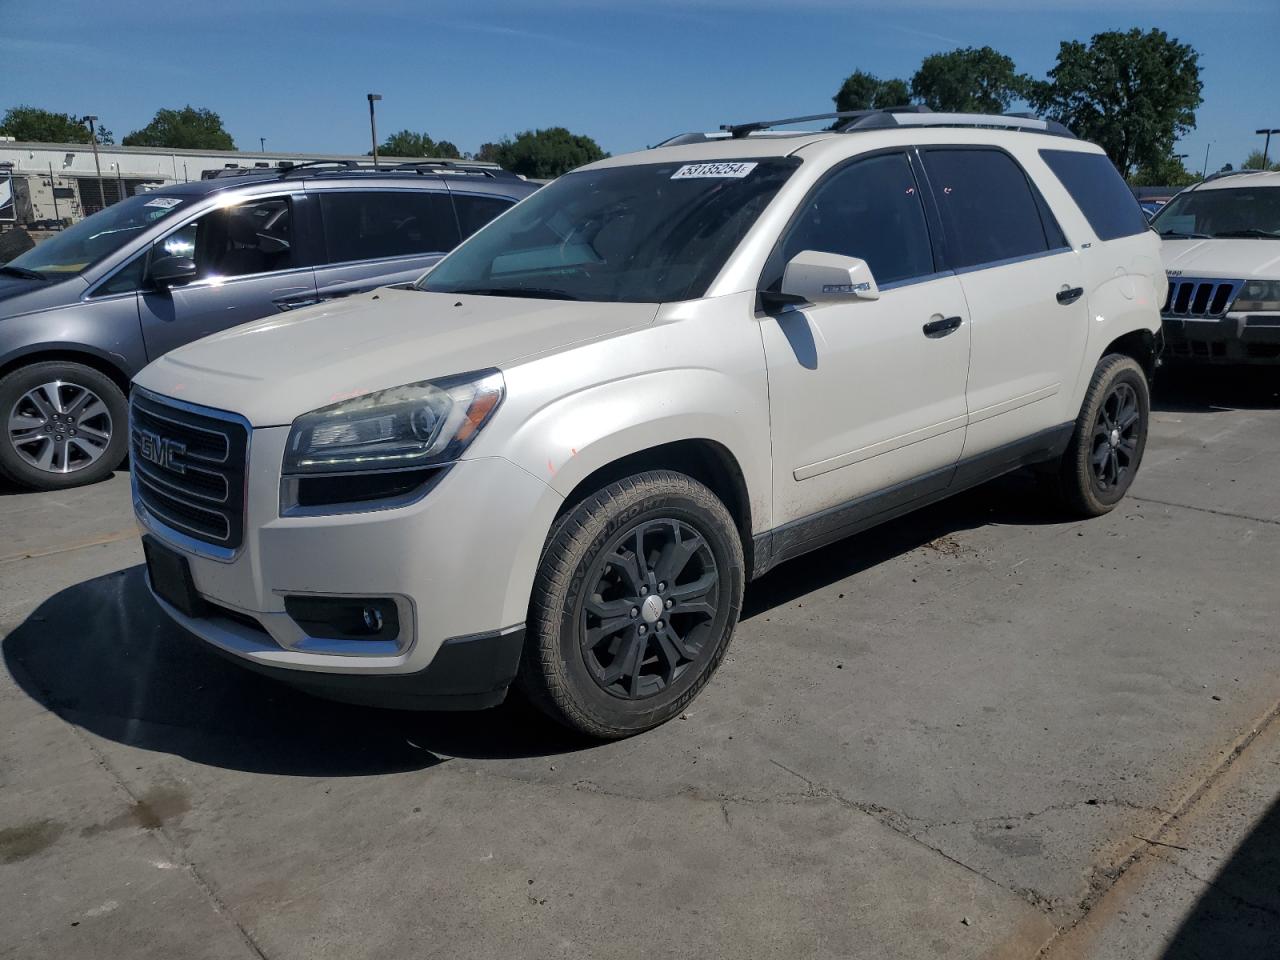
[1009, 261]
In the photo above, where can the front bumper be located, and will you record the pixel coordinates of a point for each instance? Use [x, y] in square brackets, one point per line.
[1232, 338]
[459, 563]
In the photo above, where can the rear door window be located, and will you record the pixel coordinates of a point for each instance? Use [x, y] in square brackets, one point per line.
[990, 211]
[373, 225]
[475, 211]
[1099, 191]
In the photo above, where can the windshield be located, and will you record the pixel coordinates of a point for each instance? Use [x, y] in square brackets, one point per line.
[97, 236]
[639, 234]
[1236, 212]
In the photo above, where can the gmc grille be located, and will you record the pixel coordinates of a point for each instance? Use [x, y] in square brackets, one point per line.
[1200, 298]
[189, 468]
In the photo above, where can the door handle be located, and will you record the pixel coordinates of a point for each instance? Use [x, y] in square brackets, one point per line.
[940, 328]
[1070, 295]
[293, 303]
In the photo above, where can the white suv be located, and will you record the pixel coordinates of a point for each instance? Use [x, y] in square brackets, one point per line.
[1223, 259]
[559, 456]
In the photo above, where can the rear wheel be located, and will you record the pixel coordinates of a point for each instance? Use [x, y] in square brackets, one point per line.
[1110, 437]
[64, 424]
[635, 603]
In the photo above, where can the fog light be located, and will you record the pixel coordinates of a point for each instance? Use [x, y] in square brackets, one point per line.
[345, 618]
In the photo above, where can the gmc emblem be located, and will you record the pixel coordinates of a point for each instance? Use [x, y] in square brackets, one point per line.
[161, 451]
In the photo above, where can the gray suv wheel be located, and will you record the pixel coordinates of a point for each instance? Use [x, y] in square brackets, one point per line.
[64, 424]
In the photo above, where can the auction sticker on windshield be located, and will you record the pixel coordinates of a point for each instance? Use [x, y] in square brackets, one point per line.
[692, 171]
[163, 202]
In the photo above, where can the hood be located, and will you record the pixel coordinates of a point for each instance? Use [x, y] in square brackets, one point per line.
[23, 295]
[1230, 259]
[275, 369]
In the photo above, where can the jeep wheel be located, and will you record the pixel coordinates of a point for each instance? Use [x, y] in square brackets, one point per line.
[1110, 436]
[636, 599]
[64, 424]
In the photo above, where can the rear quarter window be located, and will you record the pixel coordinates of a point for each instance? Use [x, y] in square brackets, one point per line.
[1099, 191]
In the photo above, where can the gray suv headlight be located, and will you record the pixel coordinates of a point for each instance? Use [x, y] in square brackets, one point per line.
[401, 428]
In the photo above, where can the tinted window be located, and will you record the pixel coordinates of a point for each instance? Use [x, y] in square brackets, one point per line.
[869, 209]
[474, 212]
[248, 238]
[649, 233]
[988, 209]
[370, 225]
[1098, 190]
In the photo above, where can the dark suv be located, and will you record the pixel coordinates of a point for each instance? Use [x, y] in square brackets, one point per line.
[83, 312]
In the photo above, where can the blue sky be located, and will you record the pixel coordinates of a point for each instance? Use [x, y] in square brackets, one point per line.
[628, 74]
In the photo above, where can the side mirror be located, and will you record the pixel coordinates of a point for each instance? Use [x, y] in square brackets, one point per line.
[171, 271]
[813, 277]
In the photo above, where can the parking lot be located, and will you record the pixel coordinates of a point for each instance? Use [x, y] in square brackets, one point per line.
[979, 731]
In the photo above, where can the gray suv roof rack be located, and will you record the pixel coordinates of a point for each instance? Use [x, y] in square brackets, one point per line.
[850, 121]
[453, 166]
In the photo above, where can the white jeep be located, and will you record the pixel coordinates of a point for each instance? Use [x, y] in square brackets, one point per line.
[1222, 255]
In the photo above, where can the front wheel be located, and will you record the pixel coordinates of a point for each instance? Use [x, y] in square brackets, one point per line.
[635, 602]
[64, 424]
[1110, 436]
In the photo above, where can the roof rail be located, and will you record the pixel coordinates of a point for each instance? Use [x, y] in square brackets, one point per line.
[454, 166]
[1230, 173]
[913, 115]
[288, 168]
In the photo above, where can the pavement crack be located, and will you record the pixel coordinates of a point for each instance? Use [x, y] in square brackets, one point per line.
[1216, 513]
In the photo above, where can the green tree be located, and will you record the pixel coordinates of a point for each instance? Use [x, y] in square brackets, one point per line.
[972, 80]
[189, 128]
[1134, 93]
[406, 143]
[1169, 172]
[1257, 162]
[43, 126]
[864, 91]
[542, 154]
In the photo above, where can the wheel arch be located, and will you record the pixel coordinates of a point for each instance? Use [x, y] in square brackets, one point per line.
[1140, 345]
[97, 361]
[709, 462]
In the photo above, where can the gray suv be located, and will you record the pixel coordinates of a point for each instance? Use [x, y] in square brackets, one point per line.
[83, 312]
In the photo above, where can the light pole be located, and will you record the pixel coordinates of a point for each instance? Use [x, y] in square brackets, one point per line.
[1266, 148]
[262, 144]
[373, 127]
[92, 121]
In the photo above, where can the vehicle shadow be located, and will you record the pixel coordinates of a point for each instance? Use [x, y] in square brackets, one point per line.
[1208, 389]
[1238, 915]
[1016, 499]
[103, 656]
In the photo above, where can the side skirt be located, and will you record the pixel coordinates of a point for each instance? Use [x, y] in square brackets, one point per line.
[844, 520]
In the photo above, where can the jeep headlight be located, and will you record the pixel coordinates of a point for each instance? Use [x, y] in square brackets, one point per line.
[401, 428]
[1258, 295]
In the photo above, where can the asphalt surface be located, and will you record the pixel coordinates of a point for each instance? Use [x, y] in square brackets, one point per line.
[980, 731]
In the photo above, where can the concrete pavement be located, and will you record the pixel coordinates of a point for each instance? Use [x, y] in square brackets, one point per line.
[945, 737]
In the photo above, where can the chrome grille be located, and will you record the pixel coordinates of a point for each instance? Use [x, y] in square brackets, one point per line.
[1199, 298]
[188, 467]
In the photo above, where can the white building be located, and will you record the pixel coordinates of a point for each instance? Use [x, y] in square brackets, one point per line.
[59, 181]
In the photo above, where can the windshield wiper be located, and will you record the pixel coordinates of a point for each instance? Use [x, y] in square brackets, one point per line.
[535, 293]
[1251, 232]
[1185, 236]
[23, 272]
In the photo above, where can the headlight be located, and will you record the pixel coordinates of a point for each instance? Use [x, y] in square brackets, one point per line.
[1258, 295]
[417, 425]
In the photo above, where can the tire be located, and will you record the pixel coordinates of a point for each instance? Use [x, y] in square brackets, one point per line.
[612, 648]
[1110, 436]
[62, 425]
